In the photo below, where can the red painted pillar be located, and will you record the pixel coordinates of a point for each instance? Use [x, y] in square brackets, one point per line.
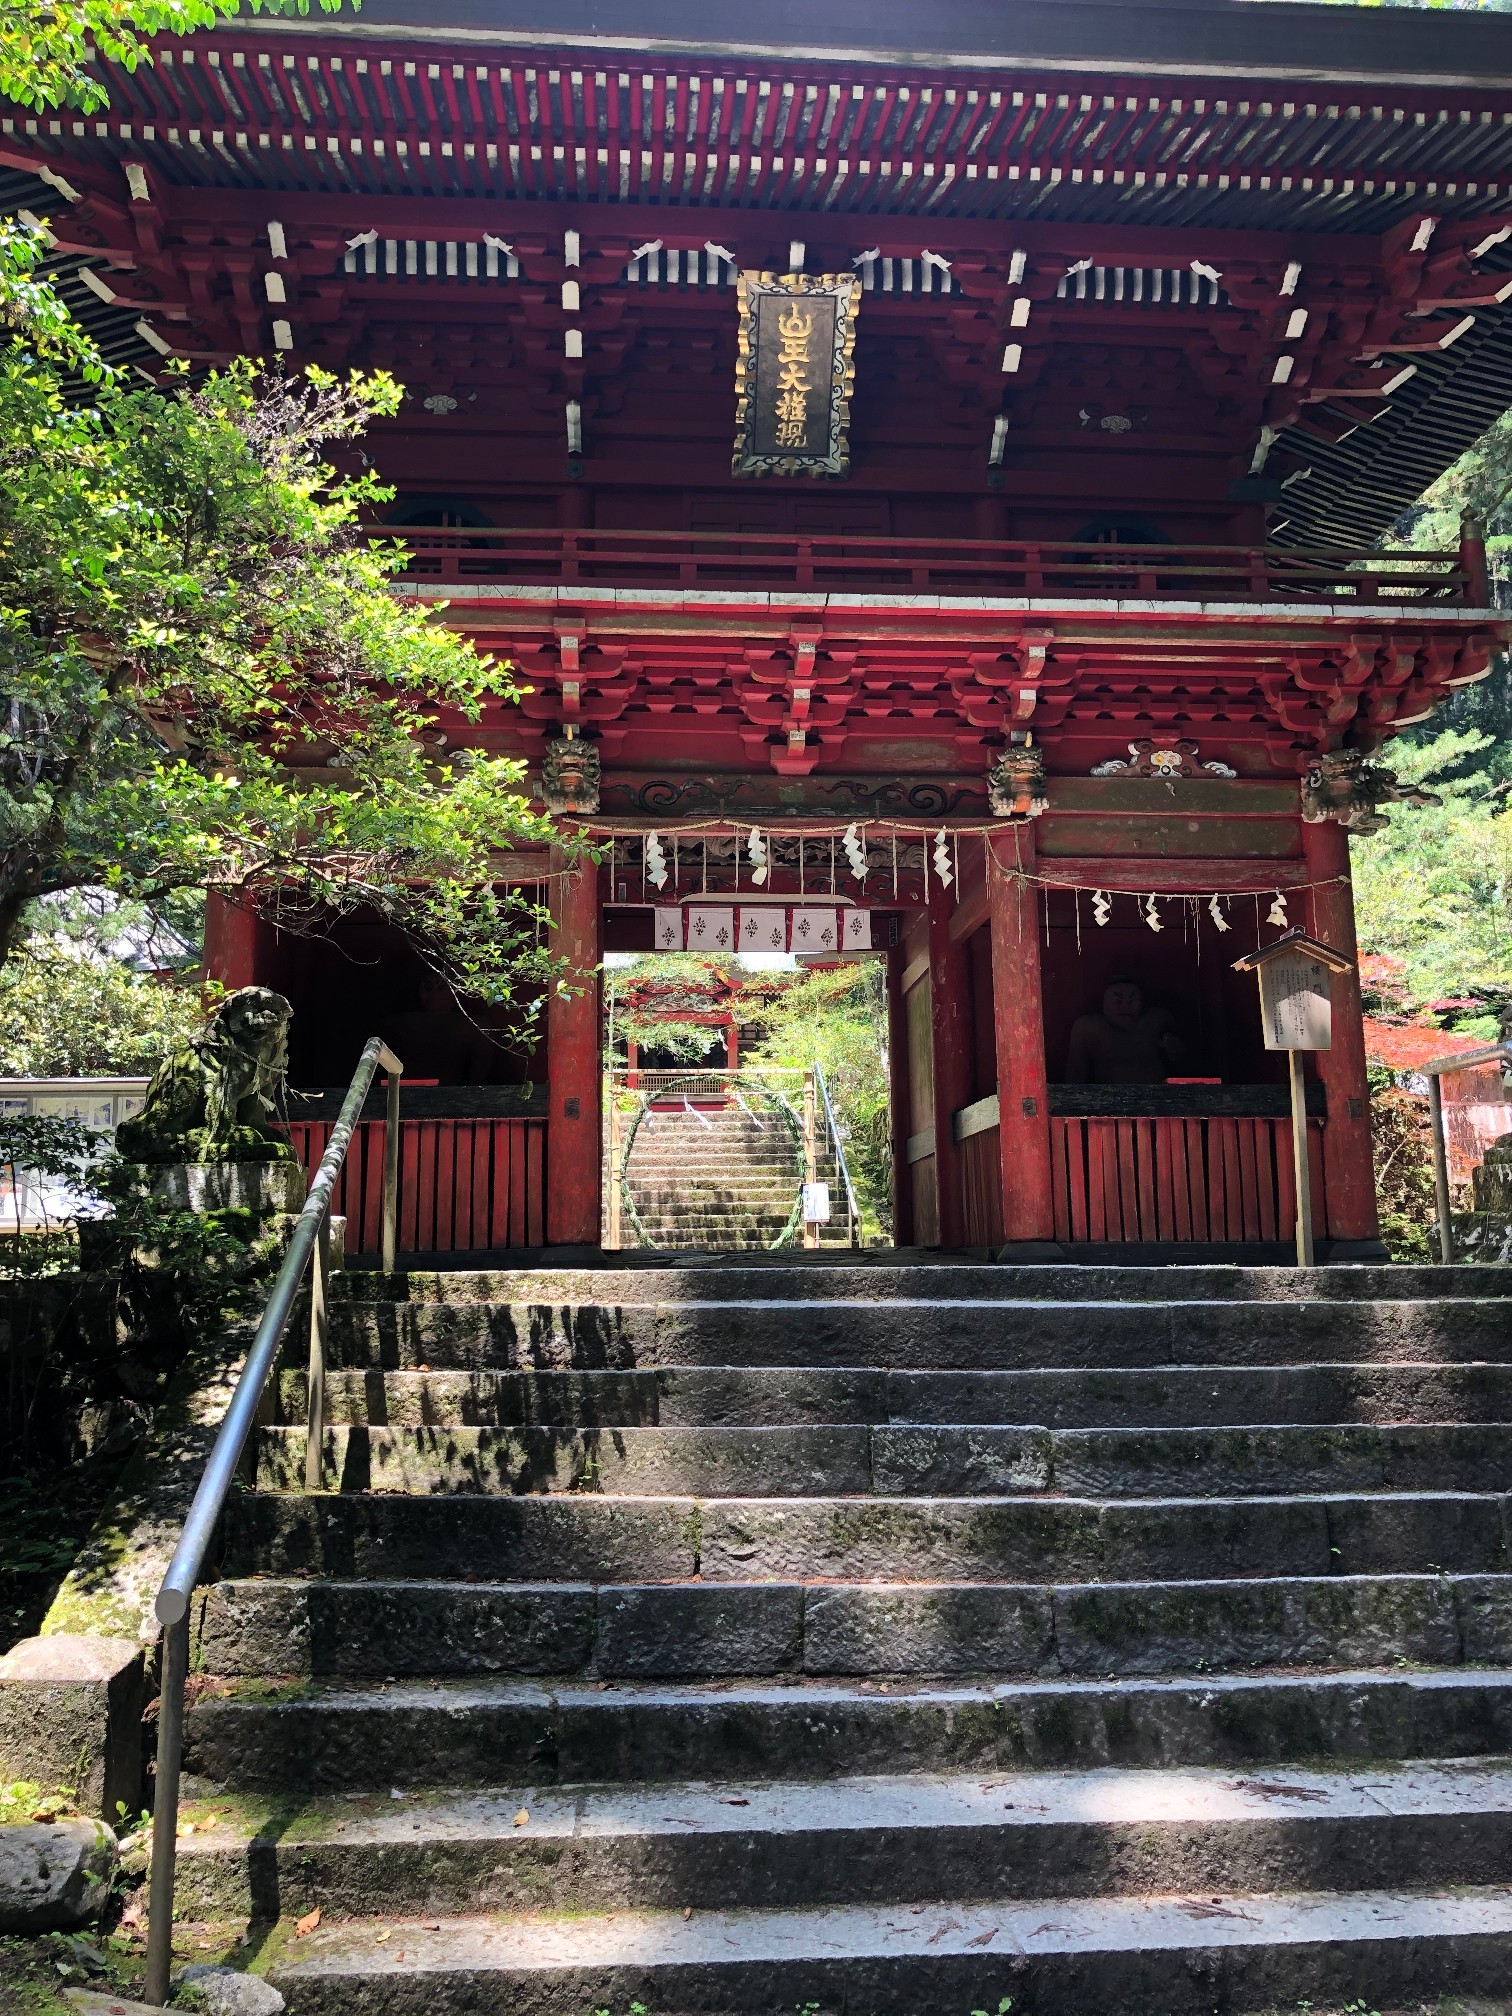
[1348, 1173]
[231, 934]
[1019, 1019]
[573, 1148]
[897, 1068]
[950, 1029]
[1472, 558]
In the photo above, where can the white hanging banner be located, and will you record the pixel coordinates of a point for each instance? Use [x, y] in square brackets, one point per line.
[855, 930]
[711, 928]
[763, 927]
[669, 929]
[815, 930]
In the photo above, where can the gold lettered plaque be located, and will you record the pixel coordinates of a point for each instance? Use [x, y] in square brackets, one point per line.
[795, 373]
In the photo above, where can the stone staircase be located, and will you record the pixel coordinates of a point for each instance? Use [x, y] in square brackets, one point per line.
[723, 1179]
[884, 1640]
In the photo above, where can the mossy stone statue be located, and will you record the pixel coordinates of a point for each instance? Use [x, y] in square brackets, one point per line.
[209, 1099]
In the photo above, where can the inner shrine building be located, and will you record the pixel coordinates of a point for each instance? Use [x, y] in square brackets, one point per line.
[929, 467]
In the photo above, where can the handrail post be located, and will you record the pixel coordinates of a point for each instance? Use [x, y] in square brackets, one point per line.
[165, 1802]
[616, 1169]
[1441, 1169]
[320, 1274]
[391, 1174]
[1301, 1167]
[810, 1151]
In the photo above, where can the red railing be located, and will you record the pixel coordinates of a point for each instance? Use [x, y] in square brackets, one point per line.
[767, 561]
[1162, 1179]
[464, 1185]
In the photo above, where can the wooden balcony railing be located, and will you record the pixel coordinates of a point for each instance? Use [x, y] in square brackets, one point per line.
[765, 562]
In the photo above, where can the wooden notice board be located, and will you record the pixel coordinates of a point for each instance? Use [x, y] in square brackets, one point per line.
[1296, 1002]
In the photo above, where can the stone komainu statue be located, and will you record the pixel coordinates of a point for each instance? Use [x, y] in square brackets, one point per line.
[209, 1099]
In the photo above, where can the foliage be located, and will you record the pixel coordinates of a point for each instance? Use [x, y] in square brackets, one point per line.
[211, 684]
[1402, 1140]
[47, 46]
[656, 1003]
[62, 1016]
[836, 1017]
[23, 1799]
[1432, 889]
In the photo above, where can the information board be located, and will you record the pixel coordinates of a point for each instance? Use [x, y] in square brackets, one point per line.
[1296, 1002]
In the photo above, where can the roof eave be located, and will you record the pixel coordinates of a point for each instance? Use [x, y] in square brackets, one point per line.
[1158, 38]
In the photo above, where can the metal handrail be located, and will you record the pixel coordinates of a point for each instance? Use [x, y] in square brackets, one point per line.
[1489, 1053]
[310, 1237]
[852, 1208]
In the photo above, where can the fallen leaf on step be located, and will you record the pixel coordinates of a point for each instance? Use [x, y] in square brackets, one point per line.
[522, 1818]
[210, 1820]
[984, 1938]
[382, 1936]
[431, 1925]
[1196, 1908]
[687, 1912]
[303, 1927]
[734, 1802]
[950, 1925]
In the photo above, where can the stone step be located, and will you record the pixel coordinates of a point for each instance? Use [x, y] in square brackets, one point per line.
[932, 1335]
[883, 1840]
[326, 1737]
[280, 1628]
[1178, 1955]
[908, 1460]
[887, 1279]
[596, 1538]
[764, 1396]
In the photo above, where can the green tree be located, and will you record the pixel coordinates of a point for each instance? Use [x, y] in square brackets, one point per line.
[836, 1017]
[63, 1016]
[1432, 888]
[209, 682]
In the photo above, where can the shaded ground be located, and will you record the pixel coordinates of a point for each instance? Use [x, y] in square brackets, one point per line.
[45, 1517]
[34, 1971]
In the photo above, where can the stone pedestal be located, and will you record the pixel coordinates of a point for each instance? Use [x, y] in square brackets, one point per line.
[71, 1714]
[267, 1188]
[1484, 1232]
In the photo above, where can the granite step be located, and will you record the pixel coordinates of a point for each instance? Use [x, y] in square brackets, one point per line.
[882, 1840]
[284, 1628]
[597, 1538]
[935, 1335]
[767, 1396]
[892, 1460]
[1181, 1955]
[949, 1276]
[355, 1737]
